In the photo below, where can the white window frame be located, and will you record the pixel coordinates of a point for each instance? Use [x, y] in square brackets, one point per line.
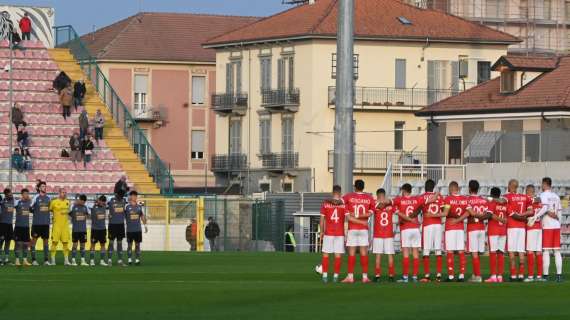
[140, 98]
[203, 92]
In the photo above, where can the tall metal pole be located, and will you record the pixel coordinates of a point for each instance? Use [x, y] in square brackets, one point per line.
[344, 126]
[11, 105]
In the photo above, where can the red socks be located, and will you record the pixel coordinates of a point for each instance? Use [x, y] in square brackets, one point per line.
[405, 266]
[325, 264]
[391, 270]
[521, 268]
[351, 263]
[501, 259]
[539, 265]
[450, 264]
[378, 271]
[364, 264]
[476, 266]
[493, 263]
[416, 267]
[462, 263]
[426, 265]
[530, 264]
[439, 263]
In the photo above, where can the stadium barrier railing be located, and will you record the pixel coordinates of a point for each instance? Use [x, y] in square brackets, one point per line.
[66, 37]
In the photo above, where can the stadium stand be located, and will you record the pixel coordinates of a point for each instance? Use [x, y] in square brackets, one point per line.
[33, 71]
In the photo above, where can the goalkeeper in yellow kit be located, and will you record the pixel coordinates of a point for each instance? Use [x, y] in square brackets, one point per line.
[60, 233]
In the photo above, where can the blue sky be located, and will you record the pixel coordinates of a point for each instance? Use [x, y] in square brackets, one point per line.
[84, 15]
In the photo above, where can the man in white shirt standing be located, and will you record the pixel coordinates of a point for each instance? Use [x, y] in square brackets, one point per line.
[551, 215]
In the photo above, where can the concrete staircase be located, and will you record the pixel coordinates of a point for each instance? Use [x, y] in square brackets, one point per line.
[113, 135]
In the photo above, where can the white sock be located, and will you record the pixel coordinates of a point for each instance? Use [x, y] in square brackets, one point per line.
[364, 276]
[545, 262]
[335, 275]
[325, 274]
[558, 261]
[350, 275]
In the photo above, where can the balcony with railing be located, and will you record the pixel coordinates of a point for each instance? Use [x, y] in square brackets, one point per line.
[147, 114]
[393, 99]
[229, 162]
[377, 161]
[281, 99]
[280, 161]
[230, 103]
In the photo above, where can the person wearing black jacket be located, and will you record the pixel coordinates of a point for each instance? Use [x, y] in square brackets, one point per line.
[79, 91]
[61, 81]
[121, 187]
[212, 232]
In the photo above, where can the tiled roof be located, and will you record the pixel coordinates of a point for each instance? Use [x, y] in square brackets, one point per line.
[526, 63]
[374, 19]
[162, 37]
[548, 92]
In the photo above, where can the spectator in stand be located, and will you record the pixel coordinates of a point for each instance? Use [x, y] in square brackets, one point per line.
[75, 148]
[83, 124]
[26, 27]
[88, 147]
[122, 186]
[66, 99]
[61, 82]
[18, 116]
[17, 160]
[99, 121]
[23, 138]
[79, 91]
[27, 159]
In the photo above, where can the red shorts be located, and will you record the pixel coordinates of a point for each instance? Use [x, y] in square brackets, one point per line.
[551, 239]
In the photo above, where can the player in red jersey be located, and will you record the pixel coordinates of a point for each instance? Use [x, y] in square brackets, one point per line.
[408, 207]
[534, 238]
[497, 232]
[333, 214]
[456, 209]
[359, 206]
[476, 228]
[519, 209]
[383, 242]
[432, 232]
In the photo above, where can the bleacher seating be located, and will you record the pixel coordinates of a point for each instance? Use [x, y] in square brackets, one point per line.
[33, 72]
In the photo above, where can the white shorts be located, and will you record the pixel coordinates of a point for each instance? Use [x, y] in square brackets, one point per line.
[455, 240]
[534, 240]
[516, 240]
[476, 241]
[357, 238]
[497, 243]
[411, 238]
[431, 240]
[333, 244]
[383, 246]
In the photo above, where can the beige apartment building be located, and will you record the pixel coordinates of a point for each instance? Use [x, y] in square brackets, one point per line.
[543, 25]
[276, 90]
[165, 78]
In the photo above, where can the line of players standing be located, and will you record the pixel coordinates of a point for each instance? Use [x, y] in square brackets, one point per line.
[526, 226]
[124, 219]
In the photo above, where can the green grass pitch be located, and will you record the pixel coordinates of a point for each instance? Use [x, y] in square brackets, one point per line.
[258, 286]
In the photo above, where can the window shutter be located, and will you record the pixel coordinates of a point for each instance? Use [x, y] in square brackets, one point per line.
[238, 77]
[198, 90]
[400, 81]
[431, 81]
[281, 74]
[291, 73]
[455, 75]
[229, 78]
[197, 141]
[141, 83]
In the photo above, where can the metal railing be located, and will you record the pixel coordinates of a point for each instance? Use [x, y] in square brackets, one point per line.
[420, 172]
[379, 160]
[66, 37]
[280, 97]
[287, 160]
[147, 114]
[386, 98]
[229, 101]
[231, 162]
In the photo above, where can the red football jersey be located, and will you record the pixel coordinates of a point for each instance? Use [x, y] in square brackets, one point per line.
[407, 206]
[478, 205]
[432, 208]
[457, 207]
[536, 206]
[496, 228]
[384, 222]
[334, 218]
[517, 203]
[358, 204]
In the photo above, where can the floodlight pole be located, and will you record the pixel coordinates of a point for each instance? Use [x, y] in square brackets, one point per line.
[11, 104]
[344, 124]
